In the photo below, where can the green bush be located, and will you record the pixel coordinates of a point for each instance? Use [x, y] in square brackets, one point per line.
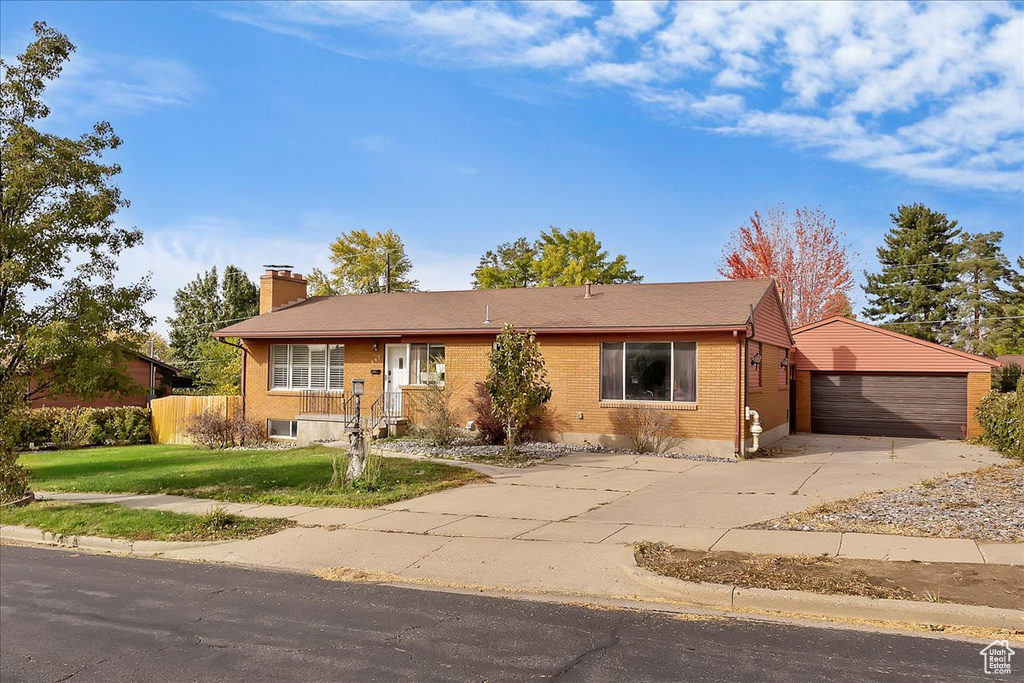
[1005, 379]
[35, 426]
[13, 475]
[78, 427]
[122, 426]
[1002, 418]
[72, 428]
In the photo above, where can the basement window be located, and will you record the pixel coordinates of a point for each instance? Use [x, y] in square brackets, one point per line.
[649, 371]
[282, 429]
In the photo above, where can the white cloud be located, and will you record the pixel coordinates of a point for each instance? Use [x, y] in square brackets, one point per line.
[175, 254]
[96, 84]
[630, 18]
[928, 91]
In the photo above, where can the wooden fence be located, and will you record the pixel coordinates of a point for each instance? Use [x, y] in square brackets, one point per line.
[170, 414]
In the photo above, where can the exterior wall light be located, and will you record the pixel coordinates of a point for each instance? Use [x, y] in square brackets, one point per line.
[756, 359]
[784, 362]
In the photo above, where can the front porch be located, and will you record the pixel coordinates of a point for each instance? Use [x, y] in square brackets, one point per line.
[331, 416]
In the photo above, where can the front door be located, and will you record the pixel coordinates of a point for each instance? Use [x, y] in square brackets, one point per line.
[397, 363]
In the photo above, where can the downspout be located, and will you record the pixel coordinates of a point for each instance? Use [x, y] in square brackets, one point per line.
[739, 394]
[245, 356]
[748, 412]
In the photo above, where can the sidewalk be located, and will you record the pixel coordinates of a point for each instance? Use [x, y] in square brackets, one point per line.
[426, 533]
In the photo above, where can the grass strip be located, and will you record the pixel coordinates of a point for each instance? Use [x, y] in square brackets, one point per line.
[110, 520]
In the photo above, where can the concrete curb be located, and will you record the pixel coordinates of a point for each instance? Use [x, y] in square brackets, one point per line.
[831, 606]
[717, 596]
[119, 546]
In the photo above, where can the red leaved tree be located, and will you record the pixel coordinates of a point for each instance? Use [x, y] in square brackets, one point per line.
[805, 254]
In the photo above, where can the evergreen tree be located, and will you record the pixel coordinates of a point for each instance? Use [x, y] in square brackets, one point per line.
[918, 283]
[203, 306]
[1005, 332]
[984, 294]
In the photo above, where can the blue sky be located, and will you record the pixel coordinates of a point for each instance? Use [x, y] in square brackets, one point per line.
[256, 133]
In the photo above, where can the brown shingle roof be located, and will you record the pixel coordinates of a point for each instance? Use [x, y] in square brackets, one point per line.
[721, 304]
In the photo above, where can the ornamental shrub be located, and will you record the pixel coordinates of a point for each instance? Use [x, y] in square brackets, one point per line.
[516, 382]
[1001, 416]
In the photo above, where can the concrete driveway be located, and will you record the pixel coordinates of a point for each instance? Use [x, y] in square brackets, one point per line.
[614, 498]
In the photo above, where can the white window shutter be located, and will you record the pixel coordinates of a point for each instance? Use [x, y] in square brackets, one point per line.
[336, 368]
[279, 362]
[300, 366]
[318, 367]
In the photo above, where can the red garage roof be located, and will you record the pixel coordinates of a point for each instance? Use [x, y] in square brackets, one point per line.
[843, 345]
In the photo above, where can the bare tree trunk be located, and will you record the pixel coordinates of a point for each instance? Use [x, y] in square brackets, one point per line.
[357, 453]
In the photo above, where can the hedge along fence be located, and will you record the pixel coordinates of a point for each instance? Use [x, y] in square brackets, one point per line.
[80, 426]
[171, 414]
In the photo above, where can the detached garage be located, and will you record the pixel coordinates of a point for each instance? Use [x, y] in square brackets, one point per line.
[854, 378]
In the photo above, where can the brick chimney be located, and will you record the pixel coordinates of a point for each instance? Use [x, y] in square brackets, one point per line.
[279, 286]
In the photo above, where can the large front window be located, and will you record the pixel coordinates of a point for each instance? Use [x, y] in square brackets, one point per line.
[307, 366]
[649, 371]
[426, 363]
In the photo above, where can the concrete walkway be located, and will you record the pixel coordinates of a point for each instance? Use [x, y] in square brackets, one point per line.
[567, 526]
[566, 534]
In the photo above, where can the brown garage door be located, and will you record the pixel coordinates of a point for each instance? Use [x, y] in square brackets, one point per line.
[925, 406]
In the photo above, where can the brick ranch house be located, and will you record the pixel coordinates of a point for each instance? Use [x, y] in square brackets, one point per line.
[154, 379]
[700, 351]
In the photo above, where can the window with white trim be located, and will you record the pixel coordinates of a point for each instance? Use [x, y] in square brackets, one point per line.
[282, 429]
[307, 366]
[649, 371]
[426, 363]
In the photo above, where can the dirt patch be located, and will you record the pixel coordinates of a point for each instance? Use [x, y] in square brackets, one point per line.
[966, 584]
[983, 505]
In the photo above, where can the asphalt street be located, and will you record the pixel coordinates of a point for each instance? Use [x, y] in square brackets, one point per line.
[67, 616]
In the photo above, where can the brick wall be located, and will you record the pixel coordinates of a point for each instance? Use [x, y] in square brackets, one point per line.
[771, 399]
[280, 287]
[575, 411]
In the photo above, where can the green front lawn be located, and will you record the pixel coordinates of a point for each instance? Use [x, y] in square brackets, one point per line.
[291, 477]
[137, 524]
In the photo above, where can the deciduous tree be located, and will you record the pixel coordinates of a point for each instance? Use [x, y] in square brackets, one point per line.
[61, 325]
[575, 257]
[516, 382]
[557, 258]
[805, 254]
[512, 264]
[365, 263]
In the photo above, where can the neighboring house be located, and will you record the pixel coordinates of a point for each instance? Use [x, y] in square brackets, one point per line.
[699, 351]
[154, 378]
[854, 378]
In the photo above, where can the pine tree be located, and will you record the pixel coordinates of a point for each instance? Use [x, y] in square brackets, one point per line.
[203, 306]
[984, 294]
[918, 282]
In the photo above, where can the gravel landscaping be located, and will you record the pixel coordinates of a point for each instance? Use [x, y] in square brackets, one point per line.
[983, 505]
[531, 452]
